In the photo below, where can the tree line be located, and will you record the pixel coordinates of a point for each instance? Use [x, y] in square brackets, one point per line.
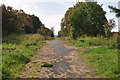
[86, 18]
[18, 22]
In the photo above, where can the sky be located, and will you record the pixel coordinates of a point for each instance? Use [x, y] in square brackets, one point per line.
[50, 12]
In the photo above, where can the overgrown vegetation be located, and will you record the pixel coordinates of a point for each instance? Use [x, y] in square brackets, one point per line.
[94, 41]
[76, 20]
[101, 53]
[17, 50]
[86, 18]
[84, 25]
[17, 21]
[23, 34]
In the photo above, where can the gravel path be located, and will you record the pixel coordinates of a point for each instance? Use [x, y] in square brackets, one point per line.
[66, 63]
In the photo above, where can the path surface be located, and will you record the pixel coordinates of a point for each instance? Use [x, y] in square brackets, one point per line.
[64, 58]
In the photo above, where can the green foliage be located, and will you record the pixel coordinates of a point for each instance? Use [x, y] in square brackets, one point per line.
[90, 41]
[60, 33]
[45, 64]
[12, 39]
[36, 23]
[118, 41]
[66, 38]
[115, 42]
[10, 60]
[45, 31]
[72, 33]
[106, 30]
[18, 22]
[10, 20]
[84, 13]
[83, 43]
[113, 45]
[104, 60]
[6, 72]
[115, 10]
[65, 26]
[108, 27]
[16, 54]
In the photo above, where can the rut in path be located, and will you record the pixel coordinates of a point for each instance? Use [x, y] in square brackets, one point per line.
[66, 63]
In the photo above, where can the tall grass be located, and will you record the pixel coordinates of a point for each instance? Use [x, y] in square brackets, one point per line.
[17, 50]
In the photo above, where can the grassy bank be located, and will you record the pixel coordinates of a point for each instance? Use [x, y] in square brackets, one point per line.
[104, 58]
[17, 50]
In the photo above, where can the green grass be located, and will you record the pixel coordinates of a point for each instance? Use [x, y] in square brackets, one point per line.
[86, 43]
[17, 50]
[104, 60]
[93, 41]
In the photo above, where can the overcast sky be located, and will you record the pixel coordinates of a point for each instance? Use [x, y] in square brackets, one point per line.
[50, 12]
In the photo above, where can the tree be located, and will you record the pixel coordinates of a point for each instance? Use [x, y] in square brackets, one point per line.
[109, 26]
[87, 18]
[45, 31]
[10, 21]
[112, 24]
[17, 21]
[52, 29]
[59, 33]
[115, 10]
[36, 23]
[65, 26]
[62, 23]
[72, 33]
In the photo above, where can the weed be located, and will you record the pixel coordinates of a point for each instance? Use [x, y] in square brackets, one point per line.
[45, 64]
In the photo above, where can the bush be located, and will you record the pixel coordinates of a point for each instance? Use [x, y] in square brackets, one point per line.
[115, 43]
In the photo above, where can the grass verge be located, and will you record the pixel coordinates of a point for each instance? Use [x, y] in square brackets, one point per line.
[103, 59]
[16, 52]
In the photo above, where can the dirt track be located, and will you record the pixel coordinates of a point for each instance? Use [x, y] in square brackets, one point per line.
[66, 63]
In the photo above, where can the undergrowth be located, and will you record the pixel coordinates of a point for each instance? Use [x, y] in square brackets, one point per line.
[16, 52]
